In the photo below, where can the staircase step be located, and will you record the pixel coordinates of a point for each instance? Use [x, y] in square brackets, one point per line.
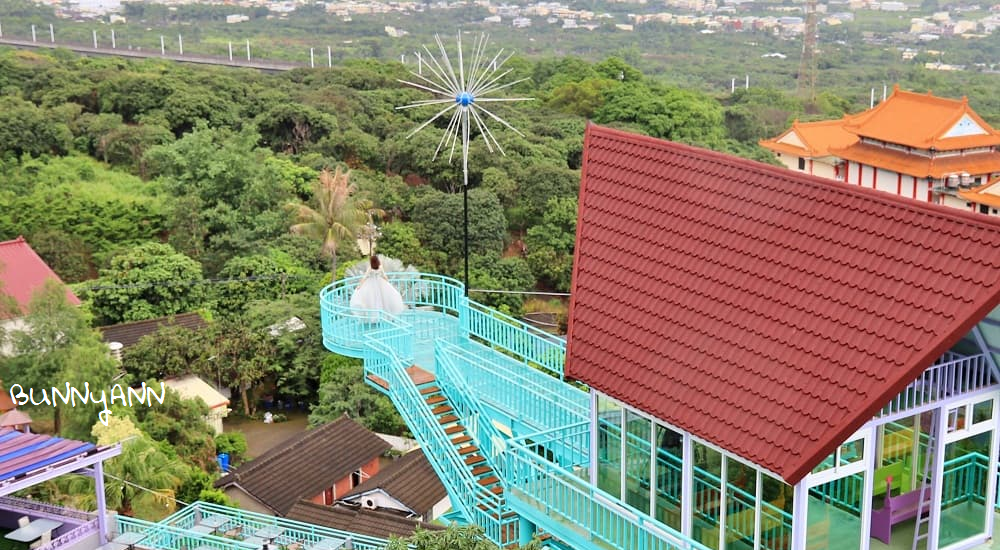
[441, 409]
[378, 381]
[447, 419]
[487, 481]
[430, 390]
[480, 470]
[474, 459]
[435, 399]
[496, 490]
[460, 439]
[457, 428]
[467, 449]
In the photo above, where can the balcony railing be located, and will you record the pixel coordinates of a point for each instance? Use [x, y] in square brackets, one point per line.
[534, 347]
[44, 509]
[952, 375]
[536, 399]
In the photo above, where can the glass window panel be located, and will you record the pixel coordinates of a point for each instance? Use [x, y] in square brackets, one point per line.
[707, 495]
[741, 498]
[982, 412]
[827, 463]
[956, 419]
[963, 489]
[637, 456]
[775, 514]
[893, 464]
[609, 446]
[852, 451]
[832, 521]
[669, 458]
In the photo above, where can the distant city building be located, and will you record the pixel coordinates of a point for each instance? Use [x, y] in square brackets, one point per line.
[236, 18]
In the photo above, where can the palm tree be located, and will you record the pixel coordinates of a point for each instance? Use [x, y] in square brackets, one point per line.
[139, 482]
[338, 216]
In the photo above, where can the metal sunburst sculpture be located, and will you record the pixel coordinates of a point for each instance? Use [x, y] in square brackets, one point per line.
[463, 95]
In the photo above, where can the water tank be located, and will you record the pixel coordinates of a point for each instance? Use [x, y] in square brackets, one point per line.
[224, 462]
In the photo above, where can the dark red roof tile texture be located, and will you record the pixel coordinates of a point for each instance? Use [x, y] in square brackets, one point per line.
[769, 312]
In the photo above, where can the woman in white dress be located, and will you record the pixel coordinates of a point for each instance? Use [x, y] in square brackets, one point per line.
[376, 292]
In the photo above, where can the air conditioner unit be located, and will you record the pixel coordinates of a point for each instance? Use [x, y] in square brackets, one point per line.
[368, 503]
[952, 181]
[966, 179]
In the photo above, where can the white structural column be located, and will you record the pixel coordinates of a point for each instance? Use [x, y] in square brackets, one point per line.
[936, 485]
[687, 486]
[102, 507]
[800, 515]
[594, 459]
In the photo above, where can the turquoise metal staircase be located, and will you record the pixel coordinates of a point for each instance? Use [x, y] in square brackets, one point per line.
[483, 394]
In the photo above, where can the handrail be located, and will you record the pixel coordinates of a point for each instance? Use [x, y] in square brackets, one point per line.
[44, 509]
[73, 535]
[452, 383]
[604, 517]
[542, 402]
[437, 447]
[533, 346]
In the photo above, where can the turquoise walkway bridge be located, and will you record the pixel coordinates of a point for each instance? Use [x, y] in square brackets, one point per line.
[484, 395]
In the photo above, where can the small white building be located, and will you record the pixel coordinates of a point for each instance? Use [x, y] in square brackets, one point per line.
[192, 387]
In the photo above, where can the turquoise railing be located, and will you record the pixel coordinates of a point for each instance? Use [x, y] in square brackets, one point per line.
[544, 489]
[174, 532]
[477, 504]
[345, 329]
[534, 347]
[965, 479]
[540, 401]
[466, 404]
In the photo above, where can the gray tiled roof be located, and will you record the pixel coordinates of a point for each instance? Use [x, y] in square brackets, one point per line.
[306, 464]
[410, 479]
[374, 523]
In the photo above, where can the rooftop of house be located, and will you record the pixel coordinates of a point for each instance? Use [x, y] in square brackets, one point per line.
[923, 121]
[26, 453]
[374, 523]
[6, 403]
[129, 334]
[409, 479]
[306, 464]
[812, 139]
[919, 121]
[988, 193]
[22, 272]
[769, 312]
[191, 386]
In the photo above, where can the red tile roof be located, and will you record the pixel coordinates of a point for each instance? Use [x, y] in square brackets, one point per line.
[22, 272]
[767, 311]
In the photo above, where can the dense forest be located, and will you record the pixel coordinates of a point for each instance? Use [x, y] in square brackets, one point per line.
[157, 189]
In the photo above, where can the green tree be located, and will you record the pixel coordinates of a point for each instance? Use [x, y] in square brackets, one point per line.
[440, 218]
[343, 391]
[181, 423]
[144, 282]
[244, 355]
[31, 130]
[170, 351]
[60, 347]
[550, 245]
[142, 481]
[453, 538]
[336, 217]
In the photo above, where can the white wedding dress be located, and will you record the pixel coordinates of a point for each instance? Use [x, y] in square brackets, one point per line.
[375, 292]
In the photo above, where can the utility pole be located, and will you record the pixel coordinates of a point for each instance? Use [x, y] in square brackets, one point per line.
[52, 34]
[329, 57]
[113, 44]
[33, 34]
[312, 59]
[180, 44]
[230, 51]
[806, 81]
[248, 50]
[163, 47]
[95, 39]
